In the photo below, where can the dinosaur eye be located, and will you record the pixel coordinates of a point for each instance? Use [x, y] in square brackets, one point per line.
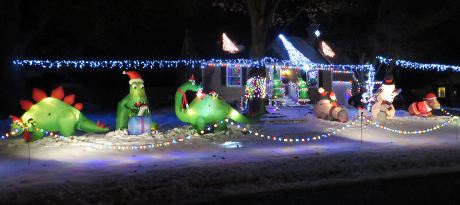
[142, 86]
[134, 86]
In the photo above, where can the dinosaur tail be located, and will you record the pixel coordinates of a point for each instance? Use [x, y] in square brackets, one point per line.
[89, 126]
[238, 117]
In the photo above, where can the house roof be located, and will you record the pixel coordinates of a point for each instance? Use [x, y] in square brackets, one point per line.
[302, 46]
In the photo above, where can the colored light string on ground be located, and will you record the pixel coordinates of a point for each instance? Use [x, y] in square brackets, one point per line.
[300, 139]
[407, 132]
[106, 146]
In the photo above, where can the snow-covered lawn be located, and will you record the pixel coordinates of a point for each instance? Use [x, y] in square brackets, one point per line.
[215, 165]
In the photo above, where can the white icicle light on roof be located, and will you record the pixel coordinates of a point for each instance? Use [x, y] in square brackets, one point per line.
[327, 50]
[419, 66]
[296, 56]
[228, 45]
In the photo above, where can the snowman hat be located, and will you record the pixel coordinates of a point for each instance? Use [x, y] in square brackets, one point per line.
[388, 80]
[134, 77]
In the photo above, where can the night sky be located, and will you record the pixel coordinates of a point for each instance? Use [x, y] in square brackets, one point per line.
[145, 29]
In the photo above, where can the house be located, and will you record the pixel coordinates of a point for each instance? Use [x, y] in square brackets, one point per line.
[229, 82]
[445, 89]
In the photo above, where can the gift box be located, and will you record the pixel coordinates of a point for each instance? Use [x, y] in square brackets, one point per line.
[139, 125]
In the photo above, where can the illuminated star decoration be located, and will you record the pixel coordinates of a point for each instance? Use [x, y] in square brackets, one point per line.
[228, 45]
[294, 55]
[317, 33]
[327, 50]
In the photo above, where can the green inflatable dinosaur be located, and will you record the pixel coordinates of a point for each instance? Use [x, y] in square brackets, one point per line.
[52, 114]
[205, 109]
[133, 104]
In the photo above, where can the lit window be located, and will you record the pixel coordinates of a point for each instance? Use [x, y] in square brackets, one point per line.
[312, 78]
[441, 92]
[234, 76]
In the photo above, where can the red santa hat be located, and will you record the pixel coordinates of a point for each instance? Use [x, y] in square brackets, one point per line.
[15, 119]
[192, 78]
[430, 96]
[332, 96]
[324, 95]
[213, 93]
[133, 76]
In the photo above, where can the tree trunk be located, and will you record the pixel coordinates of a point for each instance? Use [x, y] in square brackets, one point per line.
[260, 14]
[258, 38]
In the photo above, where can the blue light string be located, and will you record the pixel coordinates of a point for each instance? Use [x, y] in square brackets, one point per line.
[152, 64]
[419, 66]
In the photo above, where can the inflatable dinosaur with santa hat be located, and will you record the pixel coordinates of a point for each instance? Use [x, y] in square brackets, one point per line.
[205, 109]
[135, 104]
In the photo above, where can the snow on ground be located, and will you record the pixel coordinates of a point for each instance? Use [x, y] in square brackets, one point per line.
[223, 164]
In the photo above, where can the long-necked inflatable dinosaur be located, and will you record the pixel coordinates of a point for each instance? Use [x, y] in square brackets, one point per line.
[53, 114]
[205, 109]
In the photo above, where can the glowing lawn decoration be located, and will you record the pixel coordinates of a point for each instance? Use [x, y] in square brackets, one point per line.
[424, 108]
[133, 108]
[277, 86]
[228, 45]
[255, 88]
[303, 91]
[204, 110]
[54, 114]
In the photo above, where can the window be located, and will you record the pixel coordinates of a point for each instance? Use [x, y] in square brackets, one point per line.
[312, 78]
[441, 92]
[234, 77]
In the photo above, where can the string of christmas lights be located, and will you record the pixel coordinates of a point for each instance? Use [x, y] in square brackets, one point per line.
[171, 64]
[419, 66]
[301, 139]
[412, 132]
[370, 83]
[255, 88]
[108, 146]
